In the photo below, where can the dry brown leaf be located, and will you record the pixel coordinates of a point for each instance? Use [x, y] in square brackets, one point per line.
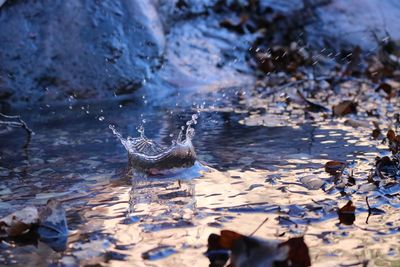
[299, 255]
[19, 222]
[388, 89]
[334, 167]
[344, 108]
[228, 238]
[394, 141]
[251, 251]
[347, 213]
[377, 131]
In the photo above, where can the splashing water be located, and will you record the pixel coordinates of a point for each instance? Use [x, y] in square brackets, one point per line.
[146, 154]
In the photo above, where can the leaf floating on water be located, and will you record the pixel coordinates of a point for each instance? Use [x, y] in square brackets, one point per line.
[347, 213]
[334, 167]
[344, 108]
[250, 251]
[312, 182]
[158, 252]
[19, 222]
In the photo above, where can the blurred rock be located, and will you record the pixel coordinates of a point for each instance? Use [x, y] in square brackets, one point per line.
[88, 49]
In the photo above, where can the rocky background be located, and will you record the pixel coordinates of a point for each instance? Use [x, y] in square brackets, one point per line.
[56, 50]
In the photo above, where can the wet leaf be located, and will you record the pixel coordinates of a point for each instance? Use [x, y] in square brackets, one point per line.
[228, 238]
[386, 165]
[344, 108]
[251, 251]
[49, 222]
[19, 222]
[311, 106]
[237, 24]
[347, 213]
[52, 220]
[334, 167]
[159, 252]
[377, 132]
[312, 182]
[394, 141]
[357, 123]
[388, 89]
[298, 252]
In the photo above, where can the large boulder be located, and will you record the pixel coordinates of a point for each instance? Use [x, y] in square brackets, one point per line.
[349, 23]
[53, 49]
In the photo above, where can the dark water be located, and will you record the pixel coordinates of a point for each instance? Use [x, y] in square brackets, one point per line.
[255, 170]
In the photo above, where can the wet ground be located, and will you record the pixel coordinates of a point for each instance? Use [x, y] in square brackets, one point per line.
[260, 164]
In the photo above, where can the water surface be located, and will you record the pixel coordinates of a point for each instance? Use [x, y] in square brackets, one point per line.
[254, 171]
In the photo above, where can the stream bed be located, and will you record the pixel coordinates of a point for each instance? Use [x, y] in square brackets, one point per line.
[246, 173]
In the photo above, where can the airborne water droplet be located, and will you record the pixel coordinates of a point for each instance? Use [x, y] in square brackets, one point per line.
[101, 118]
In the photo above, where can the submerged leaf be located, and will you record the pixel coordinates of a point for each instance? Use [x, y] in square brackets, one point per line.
[344, 108]
[158, 252]
[334, 167]
[312, 182]
[347, 213]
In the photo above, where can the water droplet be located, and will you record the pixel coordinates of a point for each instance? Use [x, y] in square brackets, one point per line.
[101, 118]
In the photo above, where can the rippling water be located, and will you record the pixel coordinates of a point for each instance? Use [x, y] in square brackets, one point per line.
[255, 169]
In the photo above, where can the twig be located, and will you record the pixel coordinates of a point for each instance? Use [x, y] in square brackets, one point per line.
[258, 227]
[21, 123]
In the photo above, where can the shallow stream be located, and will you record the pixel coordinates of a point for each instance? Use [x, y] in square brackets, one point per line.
[244, 175]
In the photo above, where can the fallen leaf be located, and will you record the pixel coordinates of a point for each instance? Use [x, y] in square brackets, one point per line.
[344, 108]
[252, 251]
[386, 165]
[347, 213]
[49, 223]
[387, 88]
[312, 182]
[19, 222]
[357, 124]
[158, 252]
[334, 167]
[311, 106]
[299, 255]
[377, 131]
[394, 141]
[228, 238]
[237, 24]
[52, 220]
